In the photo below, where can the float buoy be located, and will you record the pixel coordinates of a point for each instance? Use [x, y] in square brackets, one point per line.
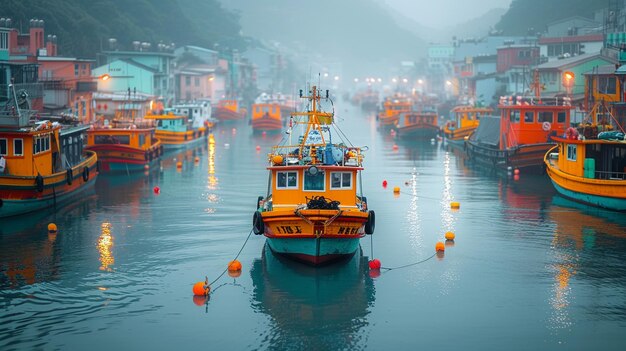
[156, 190]
[396, 190]
[516, 177]
[516, 171]
[277, 159]
[395, 147]
[384, 183]
[455, 205]
[179, 164]
[52, 228]
[234, 266]
[374, 264]
[201, 289]
[449, 236]
[258, 148]
[440, 246]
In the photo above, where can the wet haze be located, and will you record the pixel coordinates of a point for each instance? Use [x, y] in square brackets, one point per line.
[445, 13]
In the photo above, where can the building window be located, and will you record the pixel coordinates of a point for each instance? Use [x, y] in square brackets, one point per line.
[287, 180]
[187, 81]
[76, 70]
[4, 41]
[341, 180]
[18, 147]
[571, 152]
[314, 182]
[3, 147]
[197, 81]
[606, 85]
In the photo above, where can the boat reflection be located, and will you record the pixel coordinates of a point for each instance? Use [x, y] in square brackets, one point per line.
[316, 308]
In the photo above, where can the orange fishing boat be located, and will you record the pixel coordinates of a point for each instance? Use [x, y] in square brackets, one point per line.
[41, 163]
[466, 120]
[420, 124]
[314, 210]
[270, 112]
[522, 135]
[392, 107]
[229, 110]
[183, 125]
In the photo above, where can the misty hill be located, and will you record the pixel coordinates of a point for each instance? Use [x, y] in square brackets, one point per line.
[361, 32]
[83, 26]
[524, 14]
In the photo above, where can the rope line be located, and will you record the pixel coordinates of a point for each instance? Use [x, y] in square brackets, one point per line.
[238, 253]
[410, 264]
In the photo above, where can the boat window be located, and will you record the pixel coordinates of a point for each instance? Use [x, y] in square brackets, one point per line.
[3, 147]
[529, 117]
[112, 139]
[142, 139]
[571, 152]
[18, 147]
[314, 182]
[514, 116]
[341, 180]
[47, 142]
[287, 180]
[38, 145]
[560, 117]
[545, 116]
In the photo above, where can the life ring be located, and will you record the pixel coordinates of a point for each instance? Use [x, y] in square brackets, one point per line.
[370, 224]
[39, 183]
[69, 176]
[86, 174]
[546, 126]
[257, 223]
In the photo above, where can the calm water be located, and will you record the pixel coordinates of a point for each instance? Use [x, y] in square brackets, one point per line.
[528, 271]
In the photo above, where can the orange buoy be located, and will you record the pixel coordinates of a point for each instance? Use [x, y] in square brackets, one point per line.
[440, 246]
[197, 159]
[455, 205]
[277, 159]
[396, 190]
[258, 148]
[395, 147]
[52, 228]
[234, 266]
[179, 164]
[449, 236]
[201, 289]
[516, 171]
[374, 264]
[384, 183]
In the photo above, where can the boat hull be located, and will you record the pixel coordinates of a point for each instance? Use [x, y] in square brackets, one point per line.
[20, 195]
[314, 236]
[527, 157]
[180, 140]
[224, 114]
[119, 158]
[607, 194]
[457, 136]
[267, 123]
[419, 131]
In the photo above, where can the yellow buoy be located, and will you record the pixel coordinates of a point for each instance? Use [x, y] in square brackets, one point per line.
[179, 164]
[455, 205]
[449, 236]
[396, 190]
[440, 246]
[277, 159]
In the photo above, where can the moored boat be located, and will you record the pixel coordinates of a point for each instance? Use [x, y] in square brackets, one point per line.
[392, 107]
[588, 165]
[125, 143]
[520, 137]
[418, 124]
[41, 163]
[181, 126]
[312, 212]
[466, 120]
[270, 112]
[229, 110]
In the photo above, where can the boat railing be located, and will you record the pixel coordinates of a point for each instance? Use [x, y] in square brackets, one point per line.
[610, 175]
[316, 154]
[14, 119]
[534, 101]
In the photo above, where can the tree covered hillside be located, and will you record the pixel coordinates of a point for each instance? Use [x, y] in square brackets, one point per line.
[525, 14]
[83, 26]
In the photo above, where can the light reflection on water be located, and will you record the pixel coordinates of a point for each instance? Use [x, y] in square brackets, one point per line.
[529, 270]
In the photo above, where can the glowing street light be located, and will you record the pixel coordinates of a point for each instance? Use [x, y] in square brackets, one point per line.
[404, 80]
[336, 77]
[356, 80]
[105, 77]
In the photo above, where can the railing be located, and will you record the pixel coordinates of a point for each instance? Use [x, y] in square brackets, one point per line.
[610, 175]
[534, 101]
[34, 90]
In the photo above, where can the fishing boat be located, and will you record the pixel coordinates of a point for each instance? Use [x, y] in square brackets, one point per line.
[418, 124]
[229, 110]
[466, 120]
[521, 136]
[182, 125]
[392, 107]
[369, 100]
[125, 143]
[41, 163]
[588, 163]
[270, 112]
[312, 211]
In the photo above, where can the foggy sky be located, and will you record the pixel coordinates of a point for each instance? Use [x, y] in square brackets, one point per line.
[445, 13]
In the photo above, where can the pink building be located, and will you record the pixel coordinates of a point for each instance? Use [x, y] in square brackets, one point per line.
[516, 55]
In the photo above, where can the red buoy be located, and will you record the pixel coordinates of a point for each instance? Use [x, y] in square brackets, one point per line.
[384, 183]
[157, 190]
[374, 264]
